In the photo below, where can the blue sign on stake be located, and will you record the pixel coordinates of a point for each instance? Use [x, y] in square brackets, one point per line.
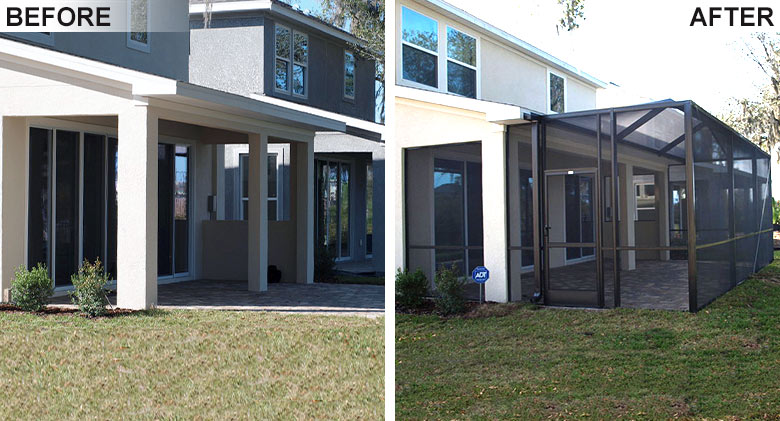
[480, 274]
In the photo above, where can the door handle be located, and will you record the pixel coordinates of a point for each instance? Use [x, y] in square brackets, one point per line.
[547, 229]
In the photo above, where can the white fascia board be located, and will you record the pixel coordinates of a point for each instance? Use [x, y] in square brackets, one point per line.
[495, 112]
[188, 91]
[349, 121]
[514, 41]
[250, 5]
[86, 69]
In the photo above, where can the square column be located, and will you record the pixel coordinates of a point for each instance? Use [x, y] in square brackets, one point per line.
[494, 221]
[304, 211]
[13, 164]
[258, 213]
[662, 211]
[137, 208]
[627, 212]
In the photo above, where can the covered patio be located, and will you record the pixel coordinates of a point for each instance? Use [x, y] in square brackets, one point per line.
[104, 162]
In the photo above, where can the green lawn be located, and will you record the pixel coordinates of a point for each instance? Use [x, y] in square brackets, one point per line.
[722, 363]
[191, 365]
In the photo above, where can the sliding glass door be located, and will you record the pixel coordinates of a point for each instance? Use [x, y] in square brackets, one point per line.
[71, 201]
[173, 226]
[333, 207]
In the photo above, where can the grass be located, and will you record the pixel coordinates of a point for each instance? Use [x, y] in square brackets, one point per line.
[191, 365]
[532, 363]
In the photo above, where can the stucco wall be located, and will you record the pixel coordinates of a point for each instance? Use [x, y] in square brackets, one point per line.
[229, 59]
[236, 54]
[168, 53]
[510, 78]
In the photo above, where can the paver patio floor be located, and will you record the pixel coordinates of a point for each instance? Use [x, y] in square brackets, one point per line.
[337, 299]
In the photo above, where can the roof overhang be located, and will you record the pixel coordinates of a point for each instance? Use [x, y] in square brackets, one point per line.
[495, 112]
[140, 84]
[288, 12]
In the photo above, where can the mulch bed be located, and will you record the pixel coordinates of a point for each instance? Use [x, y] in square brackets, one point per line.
[61, 311]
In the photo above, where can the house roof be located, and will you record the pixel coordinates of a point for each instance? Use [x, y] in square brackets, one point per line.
[277, 7]
[514, 41]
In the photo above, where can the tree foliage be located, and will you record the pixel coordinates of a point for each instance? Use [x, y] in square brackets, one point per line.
[573, 13]
[758, 119]
[365, 19]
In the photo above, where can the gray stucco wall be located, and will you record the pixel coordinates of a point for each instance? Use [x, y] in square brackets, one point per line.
[228, 59]
[168, 54]
[236, 54]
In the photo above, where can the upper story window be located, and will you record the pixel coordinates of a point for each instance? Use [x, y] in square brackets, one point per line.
[557, 91]
[292, 61]
[420, 41]
[461, 63]
[349, 75]
[427, 62]
[138, 24]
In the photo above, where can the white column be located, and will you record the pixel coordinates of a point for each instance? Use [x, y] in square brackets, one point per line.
[627, 211]
[137, 208]
[258, 213]
[218, 180]
[494, 222]
[662, 211]
[304, 212]
[13, 165]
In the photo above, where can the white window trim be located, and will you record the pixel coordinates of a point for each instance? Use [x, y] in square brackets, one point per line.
[448, 59]
[565, 91]
[354, 75]
[279, 185]
[304, 65]
[291, 63]
[442, 57]
[131, 43]
[286, 59]
[425, 50]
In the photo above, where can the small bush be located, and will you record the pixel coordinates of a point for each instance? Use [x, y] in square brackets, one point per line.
[31, 289]
[410, 289]
[449, 291]
[89, 294]
[324, 264]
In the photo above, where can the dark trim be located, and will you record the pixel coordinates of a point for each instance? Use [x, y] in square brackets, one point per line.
[615, 215]
[638, 123]
[690, 187]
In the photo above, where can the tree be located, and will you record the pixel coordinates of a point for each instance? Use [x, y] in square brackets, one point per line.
[365, 19]
[573, 12]
[758, 119]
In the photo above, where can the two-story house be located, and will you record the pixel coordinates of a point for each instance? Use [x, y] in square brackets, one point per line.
[109, 151]
[273, 51]
[501, 160]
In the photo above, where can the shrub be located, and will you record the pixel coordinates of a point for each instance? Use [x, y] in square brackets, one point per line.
[410, 288]
[324, 264]
[31, 289]
[449, 291]
[89, 284]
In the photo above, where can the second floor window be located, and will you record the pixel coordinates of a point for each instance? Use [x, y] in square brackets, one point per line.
[461, 63]
[419, 42]
[557, 93]
[443, 57]
[349, 75]
[138, 17]
[292, 61]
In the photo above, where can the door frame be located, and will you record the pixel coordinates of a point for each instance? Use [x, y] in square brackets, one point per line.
[571, 297]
